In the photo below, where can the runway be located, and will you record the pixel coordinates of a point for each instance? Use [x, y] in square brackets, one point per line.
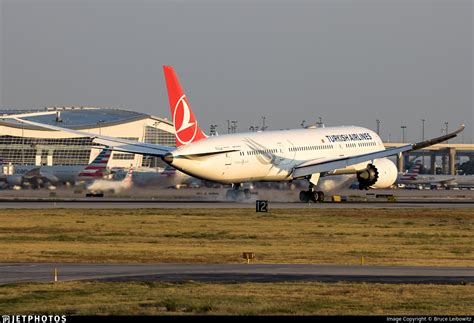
[192, 204]
[44, 272]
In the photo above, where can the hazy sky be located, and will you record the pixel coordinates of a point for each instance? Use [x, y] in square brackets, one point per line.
[348, 61]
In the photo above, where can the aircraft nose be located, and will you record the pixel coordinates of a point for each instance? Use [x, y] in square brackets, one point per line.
[168, 158]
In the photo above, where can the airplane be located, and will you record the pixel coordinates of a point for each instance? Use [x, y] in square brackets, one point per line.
[413, 177]
[168, 177]
[54, 175]
[409, 175]
[109, 185]
[279, 155]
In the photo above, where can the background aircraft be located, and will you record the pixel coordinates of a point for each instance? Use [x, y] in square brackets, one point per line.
[413, 177]
[38, 176]
[164, 178]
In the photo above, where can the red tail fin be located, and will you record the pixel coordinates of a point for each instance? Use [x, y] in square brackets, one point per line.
[185, 125]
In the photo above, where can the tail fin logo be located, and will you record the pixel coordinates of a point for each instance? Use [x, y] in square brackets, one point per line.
[184, 124]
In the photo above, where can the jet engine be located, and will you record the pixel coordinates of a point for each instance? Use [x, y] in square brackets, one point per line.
[382, 173]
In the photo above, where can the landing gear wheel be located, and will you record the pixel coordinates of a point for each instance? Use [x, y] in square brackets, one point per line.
[240, 195]
[304, 196]
[313, 196]
[247, 194]
[320, 196]
[230, 195]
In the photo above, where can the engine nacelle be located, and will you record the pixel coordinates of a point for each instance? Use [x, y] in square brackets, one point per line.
[382, 173]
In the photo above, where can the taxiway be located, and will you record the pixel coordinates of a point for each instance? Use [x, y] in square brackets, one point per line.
[44, 272]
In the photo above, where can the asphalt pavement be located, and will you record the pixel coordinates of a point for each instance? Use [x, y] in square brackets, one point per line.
[44, 272]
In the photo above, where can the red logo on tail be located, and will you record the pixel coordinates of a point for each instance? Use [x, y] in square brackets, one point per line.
[185, 125]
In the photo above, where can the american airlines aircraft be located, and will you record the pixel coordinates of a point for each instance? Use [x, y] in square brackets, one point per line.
[413, 177]
[282, 155]
[60, 174]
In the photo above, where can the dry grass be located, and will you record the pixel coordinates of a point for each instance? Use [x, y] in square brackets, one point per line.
[324, 236]
[236, 299]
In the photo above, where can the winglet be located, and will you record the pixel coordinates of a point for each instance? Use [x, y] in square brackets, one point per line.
[423, 144]
[185, 125]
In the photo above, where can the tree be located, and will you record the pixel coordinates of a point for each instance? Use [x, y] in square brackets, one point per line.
[467, 167]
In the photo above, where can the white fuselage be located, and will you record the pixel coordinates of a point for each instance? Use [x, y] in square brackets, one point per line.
[158, 178]
[62, 174]
[271, 155]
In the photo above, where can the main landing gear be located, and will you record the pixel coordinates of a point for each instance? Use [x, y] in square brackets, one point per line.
[311, 195]
[237, 194]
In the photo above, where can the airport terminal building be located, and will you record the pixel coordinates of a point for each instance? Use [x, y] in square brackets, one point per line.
[22, 144]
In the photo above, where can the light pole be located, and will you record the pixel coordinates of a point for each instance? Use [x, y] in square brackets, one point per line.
[213, 128]
[446, 130]
[378, 126]
[320, 122]
[100, 126]
[233, 126]
[423, 129]
[403, 133]
[423, 139]
[263, 124]
[22, 145]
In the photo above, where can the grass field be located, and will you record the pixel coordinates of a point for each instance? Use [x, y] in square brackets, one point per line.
[236, 299]
[323, 236]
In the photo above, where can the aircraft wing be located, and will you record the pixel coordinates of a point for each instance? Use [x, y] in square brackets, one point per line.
[117, 144]
[320, 166]
[448, 181]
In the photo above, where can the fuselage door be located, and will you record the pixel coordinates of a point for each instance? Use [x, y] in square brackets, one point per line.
[285, 156]
[228, 159]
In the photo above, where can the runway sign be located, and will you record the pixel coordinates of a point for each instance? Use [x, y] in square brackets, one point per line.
[248, 255]
[261, 206]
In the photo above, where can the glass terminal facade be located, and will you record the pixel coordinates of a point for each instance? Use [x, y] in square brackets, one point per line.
[159, 137]
[68, 151]
[19, 150]
[26, 151]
